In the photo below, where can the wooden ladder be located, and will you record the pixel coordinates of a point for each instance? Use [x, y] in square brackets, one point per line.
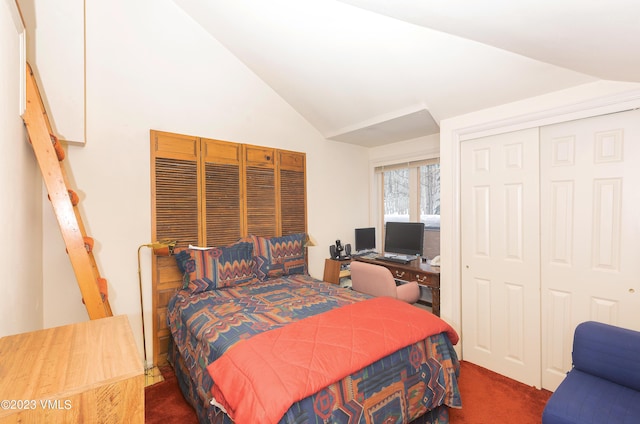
[50, 157]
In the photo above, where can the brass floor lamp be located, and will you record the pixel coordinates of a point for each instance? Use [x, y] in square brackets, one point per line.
[160, 248]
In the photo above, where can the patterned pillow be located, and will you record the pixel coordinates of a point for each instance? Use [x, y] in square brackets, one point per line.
[182, 256]
[184, 262]
[217, 267]
[278, 256]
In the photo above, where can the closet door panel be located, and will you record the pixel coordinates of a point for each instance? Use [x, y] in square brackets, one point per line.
[500, 254]
[589, 231]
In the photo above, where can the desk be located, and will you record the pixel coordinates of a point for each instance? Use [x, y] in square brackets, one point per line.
[415, 270]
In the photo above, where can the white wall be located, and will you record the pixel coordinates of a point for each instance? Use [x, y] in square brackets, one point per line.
[52, 44]
[148, 66]
[578, 102]
[416, 149]
[20, 185]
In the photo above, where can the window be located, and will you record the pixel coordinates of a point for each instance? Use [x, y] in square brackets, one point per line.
[430, 194]
[396, 195]
[411, 193]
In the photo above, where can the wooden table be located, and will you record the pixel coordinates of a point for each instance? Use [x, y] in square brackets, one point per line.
[415, 270]
[90, 372]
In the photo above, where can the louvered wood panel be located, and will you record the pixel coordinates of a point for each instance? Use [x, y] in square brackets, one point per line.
[293, 161]
[292, 185]
[224, 223]
[261, 201]
[177, 146]
[292, 202]
[221, 151]
[176, 200]
[176, 218]
[259, 156]
[213, 192]
[175, 215]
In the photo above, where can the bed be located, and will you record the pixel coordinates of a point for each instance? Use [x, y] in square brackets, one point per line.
[249, 312]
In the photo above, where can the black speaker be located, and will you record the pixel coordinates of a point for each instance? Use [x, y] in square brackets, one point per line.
[347, 249]
[332, 251]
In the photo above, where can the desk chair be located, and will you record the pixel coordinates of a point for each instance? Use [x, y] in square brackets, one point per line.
[377, 281]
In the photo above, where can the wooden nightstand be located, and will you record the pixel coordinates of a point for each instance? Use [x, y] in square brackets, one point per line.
[88, 372]
[334, 270]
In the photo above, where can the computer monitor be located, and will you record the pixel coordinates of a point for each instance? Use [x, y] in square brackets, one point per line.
[404, 238]
[365, 239]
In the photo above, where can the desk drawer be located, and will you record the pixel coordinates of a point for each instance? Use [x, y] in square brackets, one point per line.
[422, 278]
[430, 280]
[401, 274]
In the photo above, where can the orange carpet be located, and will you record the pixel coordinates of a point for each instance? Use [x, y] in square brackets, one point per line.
[164, 403]
[490, 398]
[487, 398]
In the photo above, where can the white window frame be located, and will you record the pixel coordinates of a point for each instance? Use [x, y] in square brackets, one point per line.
[377, 203]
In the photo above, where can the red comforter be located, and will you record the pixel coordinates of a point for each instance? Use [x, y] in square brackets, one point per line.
[258, 379]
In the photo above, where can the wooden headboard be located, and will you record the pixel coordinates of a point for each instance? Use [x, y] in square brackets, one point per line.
[211, 193]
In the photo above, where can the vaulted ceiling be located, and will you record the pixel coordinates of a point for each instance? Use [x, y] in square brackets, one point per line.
[372, 72]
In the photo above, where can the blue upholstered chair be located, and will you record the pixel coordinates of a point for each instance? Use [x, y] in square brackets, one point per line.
[604, 384]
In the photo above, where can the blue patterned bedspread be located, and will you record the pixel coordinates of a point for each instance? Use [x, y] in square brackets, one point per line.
[413, 380]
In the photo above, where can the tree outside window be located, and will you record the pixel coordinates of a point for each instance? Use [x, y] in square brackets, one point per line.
[430, 195]
[412, 194]
[396, 195]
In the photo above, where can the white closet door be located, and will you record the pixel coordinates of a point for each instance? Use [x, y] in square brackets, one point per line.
[500, 254]
[590, 238]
